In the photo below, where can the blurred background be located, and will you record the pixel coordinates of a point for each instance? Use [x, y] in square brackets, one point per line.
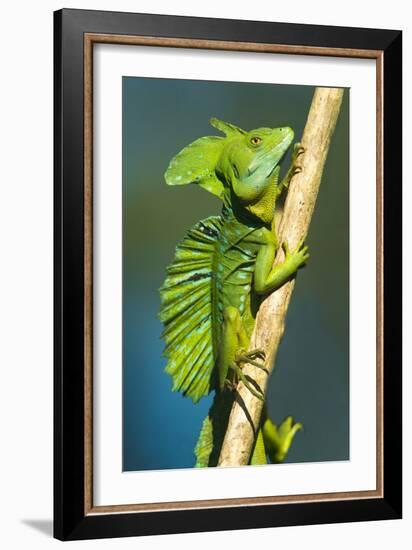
[311, 378]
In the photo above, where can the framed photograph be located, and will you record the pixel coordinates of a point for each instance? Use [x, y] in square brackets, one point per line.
[227, 274]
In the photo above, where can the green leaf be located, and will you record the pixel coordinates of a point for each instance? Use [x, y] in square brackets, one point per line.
[279, 439]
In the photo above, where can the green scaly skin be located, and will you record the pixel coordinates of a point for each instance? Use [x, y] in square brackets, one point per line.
[221, 272]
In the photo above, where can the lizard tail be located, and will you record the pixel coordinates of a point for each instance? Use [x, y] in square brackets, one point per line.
[272, 442]
[213, 431]
[259, 451]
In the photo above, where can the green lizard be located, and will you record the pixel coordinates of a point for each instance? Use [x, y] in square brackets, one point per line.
[221, 271]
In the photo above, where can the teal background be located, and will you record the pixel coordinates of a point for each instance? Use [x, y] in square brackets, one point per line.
[311, 379]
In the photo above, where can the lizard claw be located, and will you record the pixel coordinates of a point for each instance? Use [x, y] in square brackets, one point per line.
[295, 167]
[244, 356]
[298, 149]
[250, 384]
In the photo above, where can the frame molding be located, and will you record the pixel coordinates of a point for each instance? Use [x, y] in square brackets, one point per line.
[76, 31]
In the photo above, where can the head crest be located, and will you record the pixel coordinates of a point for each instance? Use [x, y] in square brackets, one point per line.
[226, 127]
[196, 163]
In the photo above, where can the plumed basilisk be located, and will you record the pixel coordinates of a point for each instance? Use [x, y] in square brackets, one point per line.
[221, 271]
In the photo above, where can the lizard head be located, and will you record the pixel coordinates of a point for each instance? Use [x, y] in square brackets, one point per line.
[250, 163]
[244, 166]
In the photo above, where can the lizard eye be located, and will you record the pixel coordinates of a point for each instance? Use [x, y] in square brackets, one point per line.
[255, 140]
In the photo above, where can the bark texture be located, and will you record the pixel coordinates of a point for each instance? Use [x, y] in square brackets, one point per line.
[270, 321]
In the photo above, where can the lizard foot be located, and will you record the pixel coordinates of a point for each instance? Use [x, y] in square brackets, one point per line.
[244, 356]
[298, 150]
[230, 385]
[295, 167]
[247, 381]
[299, 256]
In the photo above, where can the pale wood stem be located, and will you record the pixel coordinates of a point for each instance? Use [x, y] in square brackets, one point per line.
[270, 321]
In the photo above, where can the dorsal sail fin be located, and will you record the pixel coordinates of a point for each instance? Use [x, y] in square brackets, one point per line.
[186, 311]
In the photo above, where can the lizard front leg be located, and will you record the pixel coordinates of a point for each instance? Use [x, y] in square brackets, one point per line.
[295, 167]
[267, 277]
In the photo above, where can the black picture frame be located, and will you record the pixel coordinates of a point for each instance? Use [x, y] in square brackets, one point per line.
[71, 521]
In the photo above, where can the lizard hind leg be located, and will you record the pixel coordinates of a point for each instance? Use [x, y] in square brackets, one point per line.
[233, 338]
[232, 354]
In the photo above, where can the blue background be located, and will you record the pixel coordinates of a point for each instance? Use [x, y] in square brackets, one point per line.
[311, 379]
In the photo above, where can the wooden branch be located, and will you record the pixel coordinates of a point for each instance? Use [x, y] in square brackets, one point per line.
[270, 321]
